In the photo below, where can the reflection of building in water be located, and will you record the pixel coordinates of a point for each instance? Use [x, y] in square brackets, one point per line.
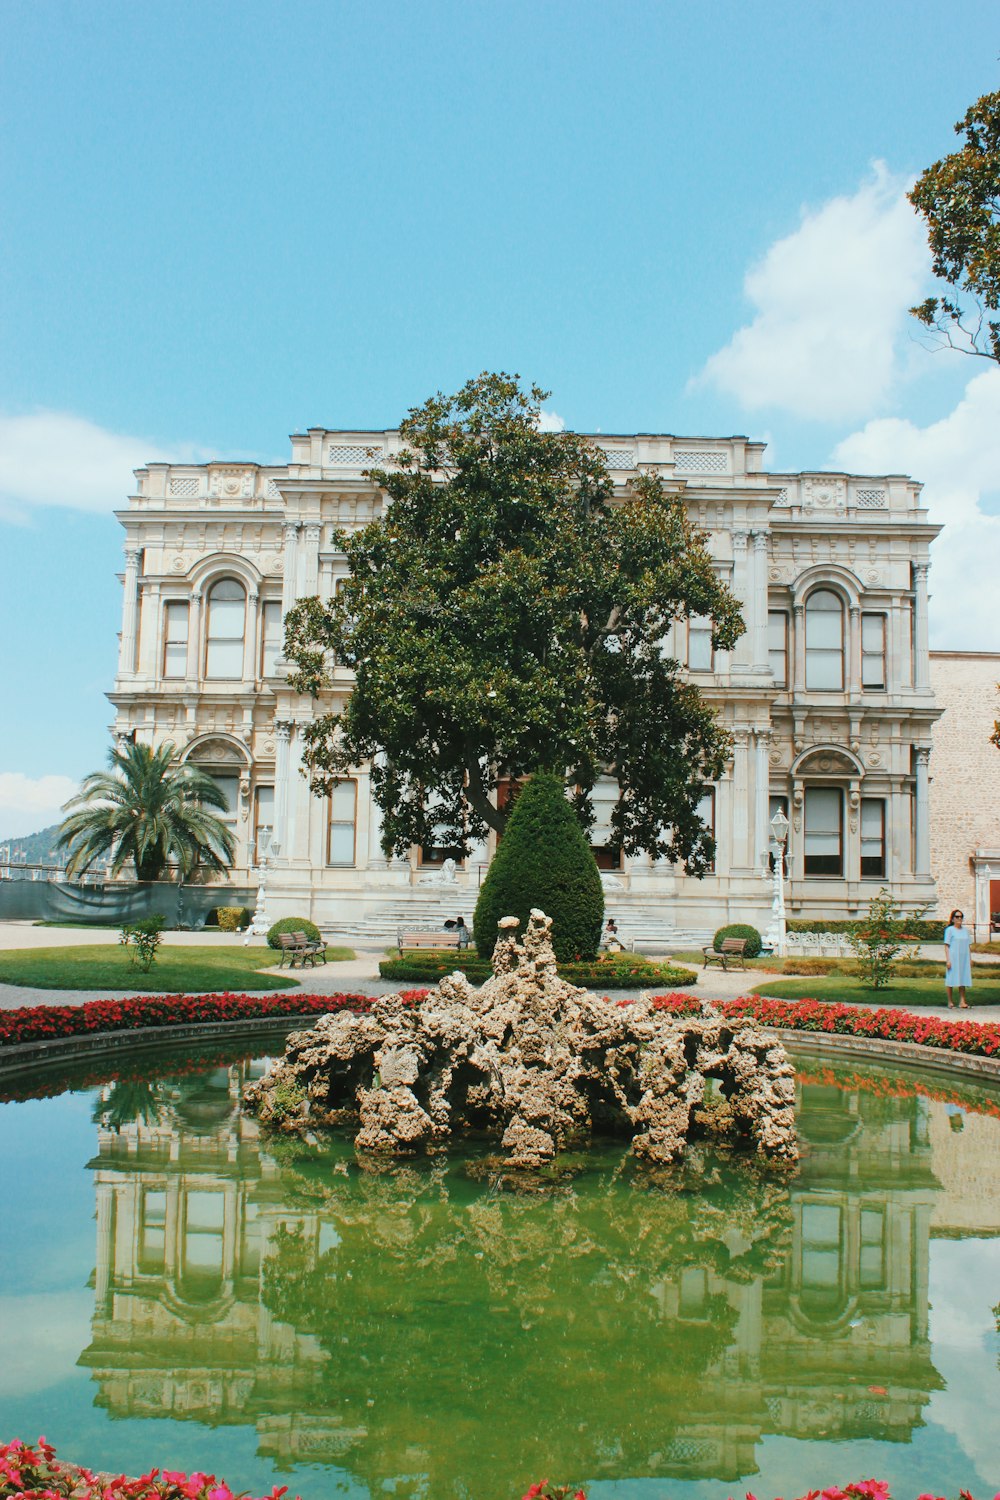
[331, 1360]
[967, 1165]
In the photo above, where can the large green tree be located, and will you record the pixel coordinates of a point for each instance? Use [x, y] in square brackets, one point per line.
[959, 197]
[148, 808]
[506, 614]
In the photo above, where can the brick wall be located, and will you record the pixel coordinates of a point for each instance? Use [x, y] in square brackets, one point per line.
[965, 772]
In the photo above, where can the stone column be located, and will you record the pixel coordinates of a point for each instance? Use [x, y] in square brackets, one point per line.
[852, 677]
[798, 644]
[759, 610]
[130, 610]
[762, 797]
[289, 582]
[194, 639]
[921, 658]
[741, 798]
[310, 581]
[743, 589]
[922, 812]
[282, 736]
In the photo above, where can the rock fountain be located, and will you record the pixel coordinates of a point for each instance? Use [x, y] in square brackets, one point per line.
[535, 1062]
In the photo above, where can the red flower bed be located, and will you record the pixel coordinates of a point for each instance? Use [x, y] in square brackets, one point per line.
[36, 1474]
[33, 1023]
[981, 1038]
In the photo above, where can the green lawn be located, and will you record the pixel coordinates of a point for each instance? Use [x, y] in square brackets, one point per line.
[105, 966]
[906, 993]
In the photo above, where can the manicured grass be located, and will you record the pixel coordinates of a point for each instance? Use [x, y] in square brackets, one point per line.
[906, 993]
[177, 970]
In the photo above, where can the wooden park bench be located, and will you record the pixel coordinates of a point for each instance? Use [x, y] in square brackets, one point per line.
[298, 945]
[732, 948]
[449, 938]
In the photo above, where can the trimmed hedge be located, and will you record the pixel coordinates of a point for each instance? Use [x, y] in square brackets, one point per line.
[603, 974]
[233, 918]
[293, 924]
[915, 927]
[543, 860]
[739, 930]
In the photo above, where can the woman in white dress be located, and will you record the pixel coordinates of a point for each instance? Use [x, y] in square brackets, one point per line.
[958, 949]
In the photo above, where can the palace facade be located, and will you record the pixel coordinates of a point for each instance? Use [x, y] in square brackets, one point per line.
[827, 695]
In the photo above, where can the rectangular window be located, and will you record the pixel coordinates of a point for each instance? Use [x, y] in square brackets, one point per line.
[604, 798]
[824, 842]
[871, 1254]
[706, 812]
[175, 639]
[152, 1231]
[777, 645]
[873, 652]
[821, 1239]
[270, 636]
[263, 814]
[230, 788]
[699, 657]
[343, 811]
[872, 838]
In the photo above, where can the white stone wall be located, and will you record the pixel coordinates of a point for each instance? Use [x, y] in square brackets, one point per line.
[965, 790]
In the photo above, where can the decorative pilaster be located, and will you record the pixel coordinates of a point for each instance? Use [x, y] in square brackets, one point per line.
[798, 649]
[762, 797]
[290, 578]
[310, 580]
[250, 648]
[130, 610]
[741, 799]
[194, 639]
[922, 813]
[852, 677]
[743, 589]
[758, 611]
[921, 649]
[282, 737]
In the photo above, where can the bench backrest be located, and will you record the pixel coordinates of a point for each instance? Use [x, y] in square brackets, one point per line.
[733, 945]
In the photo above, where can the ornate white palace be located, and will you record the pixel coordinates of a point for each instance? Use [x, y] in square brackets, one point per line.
[827, 695]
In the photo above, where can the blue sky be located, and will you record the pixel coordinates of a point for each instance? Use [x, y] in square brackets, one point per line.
[222, 223]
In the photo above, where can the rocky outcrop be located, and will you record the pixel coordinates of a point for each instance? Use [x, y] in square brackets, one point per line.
[536, 1062]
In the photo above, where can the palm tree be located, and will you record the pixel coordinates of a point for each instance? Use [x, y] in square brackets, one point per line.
[150, 809]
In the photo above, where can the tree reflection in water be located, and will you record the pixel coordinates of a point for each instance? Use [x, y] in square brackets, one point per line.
[448, 1332]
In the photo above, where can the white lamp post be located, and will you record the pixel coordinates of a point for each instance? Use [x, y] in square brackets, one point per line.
[267, 847]
[777, 937]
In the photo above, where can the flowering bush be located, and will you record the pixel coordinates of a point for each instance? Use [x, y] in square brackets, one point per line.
[34, 1023]
[36, 1474]
[979, 1038]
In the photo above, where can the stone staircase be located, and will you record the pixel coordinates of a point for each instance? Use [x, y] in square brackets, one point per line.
[646, 923]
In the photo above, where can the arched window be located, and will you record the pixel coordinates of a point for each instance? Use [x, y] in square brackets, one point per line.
[227, 608]
[824, 641]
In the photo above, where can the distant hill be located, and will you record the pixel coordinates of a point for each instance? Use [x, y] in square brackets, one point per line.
[36, 848]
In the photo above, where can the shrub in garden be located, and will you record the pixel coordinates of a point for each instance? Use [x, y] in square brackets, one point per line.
[877, 939]
[915, 929]
[543, 860]
[739, 930]
[232, 918]
[292, 924]
[141, 939]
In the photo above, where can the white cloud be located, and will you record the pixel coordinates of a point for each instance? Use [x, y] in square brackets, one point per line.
[56, 458]
[831, 302]
[60, 1324]
[958, 459]
[548, 421]
[29, 803]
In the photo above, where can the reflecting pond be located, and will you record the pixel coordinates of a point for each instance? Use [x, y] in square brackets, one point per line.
[436, 1329]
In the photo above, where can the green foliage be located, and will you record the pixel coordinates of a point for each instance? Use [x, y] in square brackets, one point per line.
[739, 930]
[504, 616]
[285, 1099]
[877, 939]
[151, 809]
[918, 928]
[141, 940]
[543, 860]
[959, 197]
[292, 924]
[233, 918]
[628, 973]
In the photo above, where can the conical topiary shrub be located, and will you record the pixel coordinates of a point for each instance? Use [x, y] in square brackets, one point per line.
[544, 860]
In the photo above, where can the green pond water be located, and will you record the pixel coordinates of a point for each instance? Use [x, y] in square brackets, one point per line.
[177, 1288]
